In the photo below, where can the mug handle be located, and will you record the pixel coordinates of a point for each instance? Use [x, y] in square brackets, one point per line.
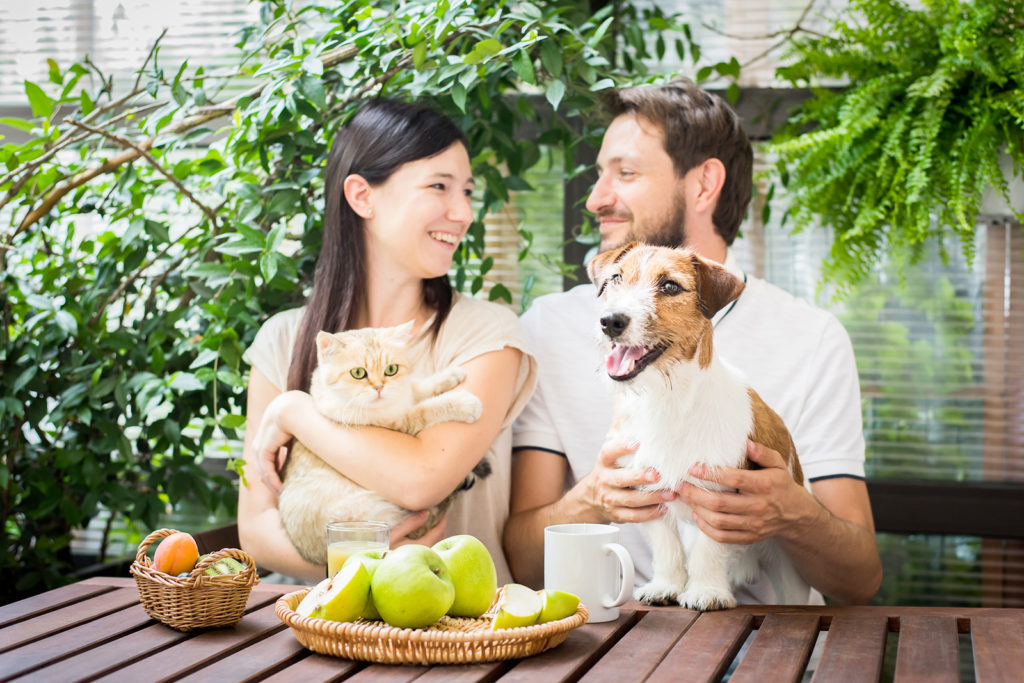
[626, 562]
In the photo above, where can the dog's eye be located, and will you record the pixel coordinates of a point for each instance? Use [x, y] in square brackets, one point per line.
[616, 278]
[670, 288]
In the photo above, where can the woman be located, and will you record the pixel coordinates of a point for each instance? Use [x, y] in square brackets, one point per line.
[397, 203]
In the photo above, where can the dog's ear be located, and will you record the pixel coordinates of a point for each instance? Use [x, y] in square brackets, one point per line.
[598, 267]
[716, 286]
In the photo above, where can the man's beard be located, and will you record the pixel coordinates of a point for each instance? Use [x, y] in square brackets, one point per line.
[670, 232]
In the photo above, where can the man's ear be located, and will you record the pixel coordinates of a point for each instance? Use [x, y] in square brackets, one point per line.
[598, 268]
[359, 193]
[708, 178]
[716, 286]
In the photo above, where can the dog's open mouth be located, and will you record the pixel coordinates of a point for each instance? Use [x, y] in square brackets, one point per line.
[626, 362]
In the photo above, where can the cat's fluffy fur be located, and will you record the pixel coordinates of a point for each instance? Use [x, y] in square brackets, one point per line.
[387, 395]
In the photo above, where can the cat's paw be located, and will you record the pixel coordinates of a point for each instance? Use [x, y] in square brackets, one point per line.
[707, 598]
[466, 405]
[657, 593]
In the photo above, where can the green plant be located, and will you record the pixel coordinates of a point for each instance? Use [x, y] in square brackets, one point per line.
[152, 225]
[935, 97]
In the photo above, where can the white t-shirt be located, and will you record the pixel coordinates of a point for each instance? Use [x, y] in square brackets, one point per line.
[472, 328]
[797, 357]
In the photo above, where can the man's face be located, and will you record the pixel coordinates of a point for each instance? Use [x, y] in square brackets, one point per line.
[638, 195]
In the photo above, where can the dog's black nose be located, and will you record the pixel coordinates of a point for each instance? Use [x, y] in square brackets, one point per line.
[614, 324]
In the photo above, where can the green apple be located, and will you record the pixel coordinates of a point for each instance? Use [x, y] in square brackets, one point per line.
[369, 559]
[411, 587]
[345, 596]
[473, 574]
[313, 598]
[557, 605]
[517, 606]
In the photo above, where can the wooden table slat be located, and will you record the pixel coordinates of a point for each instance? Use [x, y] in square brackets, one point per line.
[706, 649]
[998, 644]
[388, 673]
[640, 650]
[782, 646]
[928, 650]
[203, 649]
[122, 650]
[854, 650]
[577, 654]
[47, 602]
[315, 668]
[43, 651]
[63, 618]
[257, 659]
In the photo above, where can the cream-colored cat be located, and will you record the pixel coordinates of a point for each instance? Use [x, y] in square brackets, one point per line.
[363, 378]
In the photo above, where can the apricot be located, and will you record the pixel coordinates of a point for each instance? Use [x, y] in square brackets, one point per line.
[177, 553]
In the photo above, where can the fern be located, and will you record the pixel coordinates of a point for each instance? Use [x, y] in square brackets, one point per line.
[907, 150]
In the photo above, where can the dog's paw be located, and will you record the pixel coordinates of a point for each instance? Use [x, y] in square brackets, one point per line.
[657, 593]
[707, 598]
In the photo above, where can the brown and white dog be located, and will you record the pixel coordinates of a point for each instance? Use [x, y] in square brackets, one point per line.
[682, 405]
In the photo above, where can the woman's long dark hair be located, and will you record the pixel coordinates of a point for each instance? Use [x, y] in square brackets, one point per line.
[374, 143]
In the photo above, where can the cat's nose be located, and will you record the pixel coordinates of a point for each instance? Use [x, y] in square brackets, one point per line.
[379, 388]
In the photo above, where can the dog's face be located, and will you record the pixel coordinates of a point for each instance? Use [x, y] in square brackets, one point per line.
[657, 306]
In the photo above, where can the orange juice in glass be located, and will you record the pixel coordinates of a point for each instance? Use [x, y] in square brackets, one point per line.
[345, 539]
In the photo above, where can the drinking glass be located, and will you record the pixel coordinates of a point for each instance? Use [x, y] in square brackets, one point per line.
[345, 539]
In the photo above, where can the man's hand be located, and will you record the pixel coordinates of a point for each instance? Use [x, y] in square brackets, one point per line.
[757, 504]
[609, 493]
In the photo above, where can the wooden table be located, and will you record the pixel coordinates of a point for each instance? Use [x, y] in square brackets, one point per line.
[97, 629]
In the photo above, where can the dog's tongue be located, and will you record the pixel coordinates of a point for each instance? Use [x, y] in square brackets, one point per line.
[620, 361]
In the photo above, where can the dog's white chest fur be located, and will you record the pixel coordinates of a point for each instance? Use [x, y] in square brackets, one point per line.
[685, 416]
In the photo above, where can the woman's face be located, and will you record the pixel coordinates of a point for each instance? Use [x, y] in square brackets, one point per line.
[421, 212]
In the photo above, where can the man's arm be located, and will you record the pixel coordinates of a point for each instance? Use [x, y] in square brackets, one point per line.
[604, 495]
[829, 533]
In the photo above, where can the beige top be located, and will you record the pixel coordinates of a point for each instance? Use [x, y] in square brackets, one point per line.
[473, 327]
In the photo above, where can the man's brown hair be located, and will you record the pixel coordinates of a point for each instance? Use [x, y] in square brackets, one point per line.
[697, 126]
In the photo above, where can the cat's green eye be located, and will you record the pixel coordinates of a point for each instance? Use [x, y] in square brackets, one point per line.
[358, 373]
[391, 370]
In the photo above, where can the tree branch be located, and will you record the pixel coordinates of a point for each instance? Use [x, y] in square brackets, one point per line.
[125, 142]
[329, 59]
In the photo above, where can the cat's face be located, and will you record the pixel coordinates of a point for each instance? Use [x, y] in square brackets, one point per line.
[367, 366]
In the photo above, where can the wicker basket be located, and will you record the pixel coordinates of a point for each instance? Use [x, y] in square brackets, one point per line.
[197, 600]
[449, 641]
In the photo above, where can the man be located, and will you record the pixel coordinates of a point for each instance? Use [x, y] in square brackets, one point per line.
[675, 168]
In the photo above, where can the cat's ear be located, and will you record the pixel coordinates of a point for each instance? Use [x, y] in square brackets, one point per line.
[402, 333]
[326, 344]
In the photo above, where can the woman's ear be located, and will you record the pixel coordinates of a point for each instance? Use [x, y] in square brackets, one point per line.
[359, 194]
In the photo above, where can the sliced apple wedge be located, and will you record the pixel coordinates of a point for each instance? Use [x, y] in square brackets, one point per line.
[517, 606]
[343, 598]
[557, 605]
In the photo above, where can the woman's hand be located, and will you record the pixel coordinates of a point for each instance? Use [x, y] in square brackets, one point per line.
[400, 532]
[269, 446]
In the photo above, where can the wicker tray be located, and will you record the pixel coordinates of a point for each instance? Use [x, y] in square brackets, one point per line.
[197, 600]
[449, 641]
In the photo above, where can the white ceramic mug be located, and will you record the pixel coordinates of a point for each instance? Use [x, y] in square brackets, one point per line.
[585, 559]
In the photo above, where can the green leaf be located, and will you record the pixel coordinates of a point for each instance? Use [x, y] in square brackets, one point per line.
[523, 66]
[500, 291]
[85, 104]
[41, 103]
[419, 55]
[459, 96]
[551, 57]
[20, 124]
[312, 88]
[601, 30]
[554, 92]
[232, 421]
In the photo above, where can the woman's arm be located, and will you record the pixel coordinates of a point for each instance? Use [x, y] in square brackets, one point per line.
[260, 531]
[259, 526]
[415, 472]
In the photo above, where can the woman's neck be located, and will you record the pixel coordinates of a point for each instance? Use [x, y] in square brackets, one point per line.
[392, 301]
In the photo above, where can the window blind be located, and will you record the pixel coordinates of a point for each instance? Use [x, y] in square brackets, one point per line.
[116, 35]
